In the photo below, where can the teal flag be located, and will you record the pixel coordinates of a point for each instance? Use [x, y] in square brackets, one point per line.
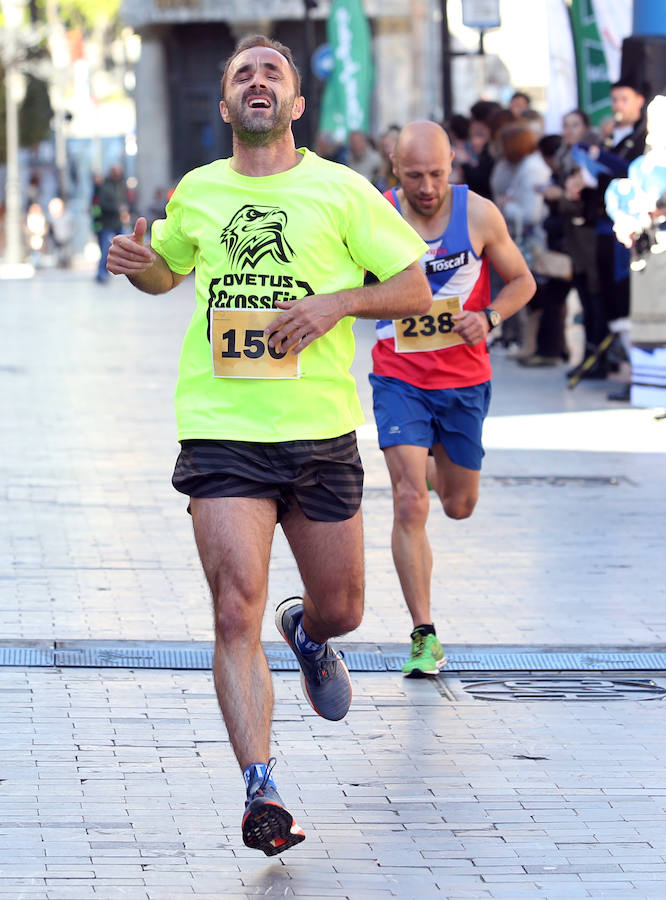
[591, 64]
[345, 104]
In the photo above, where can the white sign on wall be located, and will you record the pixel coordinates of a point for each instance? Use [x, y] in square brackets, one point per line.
[481, 13]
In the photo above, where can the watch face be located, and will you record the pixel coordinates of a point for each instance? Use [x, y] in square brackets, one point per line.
[493, 317]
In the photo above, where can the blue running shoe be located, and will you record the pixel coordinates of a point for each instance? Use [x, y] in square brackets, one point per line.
[324, 677]
[267, 825]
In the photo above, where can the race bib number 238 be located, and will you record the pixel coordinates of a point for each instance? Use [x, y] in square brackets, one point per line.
[433, 331]
[240, 347]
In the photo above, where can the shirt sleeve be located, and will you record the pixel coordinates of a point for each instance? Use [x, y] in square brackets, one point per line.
[378, 238]
[167, 236]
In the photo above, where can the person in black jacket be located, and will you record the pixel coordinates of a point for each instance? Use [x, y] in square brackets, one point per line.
[599, 165]
[112, 210]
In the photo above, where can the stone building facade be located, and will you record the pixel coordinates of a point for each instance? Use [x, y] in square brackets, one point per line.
[186, 42]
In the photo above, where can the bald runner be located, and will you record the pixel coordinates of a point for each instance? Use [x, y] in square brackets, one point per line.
[431, 375]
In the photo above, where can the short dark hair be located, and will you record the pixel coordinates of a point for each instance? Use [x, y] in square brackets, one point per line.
[498, 119]
[482, 110]
[549, 144]
[522, 95]
[581, 115]
[627, 83]
[458, 125]
[260, 40]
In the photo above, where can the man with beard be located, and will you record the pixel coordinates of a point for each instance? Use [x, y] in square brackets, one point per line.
[265, 403]
[598, 167]
[431, 374]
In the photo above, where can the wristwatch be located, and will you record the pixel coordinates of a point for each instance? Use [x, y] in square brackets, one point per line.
[493, 317]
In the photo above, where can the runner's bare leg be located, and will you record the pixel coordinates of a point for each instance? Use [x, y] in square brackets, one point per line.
[329, 556]
[234, 537]
[457, 487]
[409, 542]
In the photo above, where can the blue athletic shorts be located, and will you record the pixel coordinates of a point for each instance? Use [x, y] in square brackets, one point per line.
[452, 417]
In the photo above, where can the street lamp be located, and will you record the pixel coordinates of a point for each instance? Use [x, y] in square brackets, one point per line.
[14, 266]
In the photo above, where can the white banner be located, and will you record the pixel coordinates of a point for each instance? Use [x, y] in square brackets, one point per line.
[562, 90]
[614, 20]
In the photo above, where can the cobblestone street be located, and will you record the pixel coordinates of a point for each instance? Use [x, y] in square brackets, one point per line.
[120, 782]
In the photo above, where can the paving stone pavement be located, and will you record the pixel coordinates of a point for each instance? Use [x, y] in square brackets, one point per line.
[121, 783]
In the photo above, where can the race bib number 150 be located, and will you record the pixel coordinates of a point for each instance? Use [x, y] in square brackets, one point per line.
[240, 347]
[434, 331]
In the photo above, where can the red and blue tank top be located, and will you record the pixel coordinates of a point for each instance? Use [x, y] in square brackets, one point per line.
[418, 349]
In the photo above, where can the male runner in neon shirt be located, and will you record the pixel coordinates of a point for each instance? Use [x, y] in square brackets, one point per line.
[266, 406]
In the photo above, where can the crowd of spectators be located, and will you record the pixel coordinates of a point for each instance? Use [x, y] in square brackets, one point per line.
[550, 189]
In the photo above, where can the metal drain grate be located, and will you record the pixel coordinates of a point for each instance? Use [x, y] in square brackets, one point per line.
[569, 688]
[26, 656]
[156, 655]
[134, 658]
[578, 661]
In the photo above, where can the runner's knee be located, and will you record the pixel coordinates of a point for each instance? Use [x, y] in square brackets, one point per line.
[411, 504]
[344, 613]
[237, 616]
[459, 506]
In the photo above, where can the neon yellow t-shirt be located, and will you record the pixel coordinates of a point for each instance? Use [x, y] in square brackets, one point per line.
[254, 240]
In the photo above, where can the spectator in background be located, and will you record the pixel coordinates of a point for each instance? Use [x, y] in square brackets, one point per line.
[580, 237]
[61, 231]
[522, 174]
[487, 119]
[36, 229]
[476, 171]
[639, 216]
[534, 119]
[598, 167]
[386, 178]
[95, 211]
[33, 190]
[498, 120]
[499, 173]
[482, 110]
[519, 102]
[327, 147]
[551, 294]
[362, 156]
[113, 206]
[457, 129]
[517, 182]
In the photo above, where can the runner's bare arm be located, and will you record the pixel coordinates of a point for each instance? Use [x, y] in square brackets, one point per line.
[406, 293]
[147, 271]
[489, 235]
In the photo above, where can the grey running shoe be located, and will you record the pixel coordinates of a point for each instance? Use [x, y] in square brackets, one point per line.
[324, 676]
[267, 825]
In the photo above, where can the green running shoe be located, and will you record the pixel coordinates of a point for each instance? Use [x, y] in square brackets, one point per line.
[427, 656]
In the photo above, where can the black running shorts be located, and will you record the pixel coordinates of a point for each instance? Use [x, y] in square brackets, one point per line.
[325, 477]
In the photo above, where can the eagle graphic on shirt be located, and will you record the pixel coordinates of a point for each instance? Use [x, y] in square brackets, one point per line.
[255, 232]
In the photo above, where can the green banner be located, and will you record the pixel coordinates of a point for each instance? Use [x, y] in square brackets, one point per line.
[345, 104]
[591, 65]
